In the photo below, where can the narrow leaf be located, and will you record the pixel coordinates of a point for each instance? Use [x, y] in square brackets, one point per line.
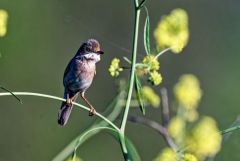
[146, 33]
[235, 126]
[74, 155]
[5, 89]
[138, 88]
[130, 153]
[127, 60]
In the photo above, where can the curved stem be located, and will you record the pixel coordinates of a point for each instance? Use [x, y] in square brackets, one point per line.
[111, 112]
[90, 131]
[156, 126]
[61, 99]
[133, 66]
[162, 52]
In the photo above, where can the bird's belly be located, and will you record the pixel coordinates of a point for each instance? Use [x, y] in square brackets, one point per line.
[80, 77]
[81, 82]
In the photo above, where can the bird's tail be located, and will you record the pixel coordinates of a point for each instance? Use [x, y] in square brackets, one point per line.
[64, 113]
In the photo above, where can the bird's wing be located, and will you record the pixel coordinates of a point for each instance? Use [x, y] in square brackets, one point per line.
[68, 68]
[68, 71]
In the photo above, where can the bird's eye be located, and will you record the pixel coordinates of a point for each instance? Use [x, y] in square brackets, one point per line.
[88, 49]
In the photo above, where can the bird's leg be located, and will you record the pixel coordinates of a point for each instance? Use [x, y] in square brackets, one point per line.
[69, 100]
[92, 111]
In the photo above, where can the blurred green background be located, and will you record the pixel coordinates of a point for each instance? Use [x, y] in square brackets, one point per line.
[43, 35]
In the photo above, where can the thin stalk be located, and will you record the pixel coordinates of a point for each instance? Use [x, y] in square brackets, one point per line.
[5, 89]
[133, 66]
[61, 99]
[156, 126]
[231, 129]
[123, 146]
[90, 131]
[162, 52]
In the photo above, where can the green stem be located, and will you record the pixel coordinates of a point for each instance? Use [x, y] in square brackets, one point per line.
[133, 65]
[91, 131]
[131, 82]
[162, 52]
[231, 129]
[61, 99]
[115, 106]
[124, 147]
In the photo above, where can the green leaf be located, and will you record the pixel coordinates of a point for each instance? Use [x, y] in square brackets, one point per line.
[130, 153]
[146, 33]
[138, 88]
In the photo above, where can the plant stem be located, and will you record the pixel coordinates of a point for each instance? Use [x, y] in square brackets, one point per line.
[231, 129]
[162, 52]
[133, 65]
[165, 107]
[115, 106]
[156, 126]
[61, 99]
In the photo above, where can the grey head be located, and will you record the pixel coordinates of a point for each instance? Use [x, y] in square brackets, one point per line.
[90, 50]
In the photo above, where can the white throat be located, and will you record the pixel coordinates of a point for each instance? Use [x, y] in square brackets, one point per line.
[92, 56]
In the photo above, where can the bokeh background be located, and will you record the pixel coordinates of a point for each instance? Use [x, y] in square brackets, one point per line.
[43, 35]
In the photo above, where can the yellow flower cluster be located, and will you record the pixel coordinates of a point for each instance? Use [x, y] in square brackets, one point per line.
[188, 92]
[176, 127]
[114, 68]
[3, 22]
[189, 157]
[155, 78]
[151, 62]
[150, 96]
[167, 154]
[204, 139]
[172, 31]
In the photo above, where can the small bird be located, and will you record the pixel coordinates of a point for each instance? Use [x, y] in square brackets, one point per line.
[78, 77]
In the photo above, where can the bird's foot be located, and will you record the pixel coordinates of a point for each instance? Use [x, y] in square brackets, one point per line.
[69, 102]
[92, 111]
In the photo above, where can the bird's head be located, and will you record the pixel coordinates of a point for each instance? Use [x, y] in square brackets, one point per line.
[90, 50]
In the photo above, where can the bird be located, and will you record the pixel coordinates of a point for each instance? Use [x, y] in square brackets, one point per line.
[78, 77]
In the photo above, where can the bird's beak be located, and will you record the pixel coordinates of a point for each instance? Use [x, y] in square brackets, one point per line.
[100, 52]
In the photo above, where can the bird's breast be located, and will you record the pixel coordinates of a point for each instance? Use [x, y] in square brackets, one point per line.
[81, 75]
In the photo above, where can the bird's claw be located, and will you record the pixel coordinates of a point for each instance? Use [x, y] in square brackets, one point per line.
[69, 102]
[92, 112]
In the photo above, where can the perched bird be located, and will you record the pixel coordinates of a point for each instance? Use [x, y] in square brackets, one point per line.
[78, 77]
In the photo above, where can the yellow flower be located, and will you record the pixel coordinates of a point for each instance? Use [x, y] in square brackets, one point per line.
[187, 91]
[155, 78]
[176, 127]
[189, 157]
[172, 31]
[191, 115]
[3, 22]
[76, 159]
[114, 68]
[150, 96]
[151, 62]
[204, 139]
[166, 155]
